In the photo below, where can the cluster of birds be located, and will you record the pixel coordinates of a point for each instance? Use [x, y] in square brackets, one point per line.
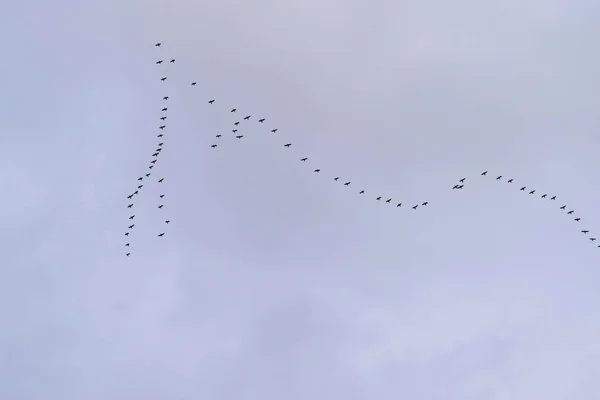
[146, 177]
[564, 207]
[238, 135]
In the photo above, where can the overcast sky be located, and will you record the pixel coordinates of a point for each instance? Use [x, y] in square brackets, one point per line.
[274, 282]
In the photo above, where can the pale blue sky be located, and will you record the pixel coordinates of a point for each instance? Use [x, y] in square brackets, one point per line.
[273, 282]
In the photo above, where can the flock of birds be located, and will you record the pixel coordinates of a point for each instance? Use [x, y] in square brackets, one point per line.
[238, 135]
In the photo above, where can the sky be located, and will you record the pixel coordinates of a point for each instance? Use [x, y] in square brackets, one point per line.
[273, 281]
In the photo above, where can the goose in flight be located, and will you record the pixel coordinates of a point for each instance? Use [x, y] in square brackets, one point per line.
[131, 226]
[247, 117]
[129, 206]
[172, 61]
[388, 200]
[498, 178]
[553, 198]
[160, 180]
[167, 221]
[240, 136]
[287, 145]
[317, 170]
[211, 101]
[399, 205]
[161, 234]
[462, 180]
[592, 239]
[126, 244]
[544, 196]
[577, 219]
[161, 206]
[461, 186]
[261, 120]
[233, 110]
[510, 181]
[455, 187]
[571, 212]
[148, 174]
[161, 135]
[304, 159]
[166, 98]
[161, 143]
[347, 183]
[234, 130]
[273, 130]
[532, 192]
[140, 178]
[162, 127]
[361, 192]
[236, 123]
[132, 217]
[155, 155]
[130, 196]
[158, 44]
[336, 178]
[523, 188]
[193, 83]
[213, 146]
[163, 78]
[159, 61]
[424, 204]
[164, 109]
[585, 232]
[136, 192]
[150, 167]
[218, 136]
[153, 162]
[484, 173]
[141, 186]
[415, 207]
[163, 118]
[379, 198]
[126, 233]
[161, 196]
[127, 254]
[563, 207]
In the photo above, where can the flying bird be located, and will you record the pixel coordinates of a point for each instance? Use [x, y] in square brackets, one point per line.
[140, 178]
[150, 167]
[161, 135]
[388, 200]
[461, 186]
[161, 206]
[510, 181]
[415, 207]
[166, 98]
[126, 244]
[455, 187]
[247, 117]
[571, 212]
[148, 174]
[213, 146]
[163, 118]
[261, 120]
[240, 136]
[161, 234]
[211, 101]
[162, 195]
[585, 232]
[523, 188]
[218, 136]
[153, 162]
[127, 254]
[193, 83]
[544, 196]
[592, 239]
[158, 44]
[379, 198]
[233, 109]
[361, 192]
[577, 219]
[163, 79]
[130, 196]
[234, 130]
[160, 180]
[399, 205]
[141, 186]
[172, 60]
[236, 123]
[347, 183]
[317, 170]
[273, 130]
[304, 159]
[132, 217]
[424, 204]
[336, 178]
[131, 226]
[563, 207]
[462, 180]
[162, 127]
[498, 178]
[155, 155]
[159, 61]
[129, 206]
[287, 145]
[553, 198]
[136, 192]
[484, 173]
[164, 109]
[167, 221]
[161, 143]
[126, 233]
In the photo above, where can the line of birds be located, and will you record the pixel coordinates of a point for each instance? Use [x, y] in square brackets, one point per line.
[458, 186]
[157, 152]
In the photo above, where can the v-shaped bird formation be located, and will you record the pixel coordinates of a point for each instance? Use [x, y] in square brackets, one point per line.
[237, 132]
